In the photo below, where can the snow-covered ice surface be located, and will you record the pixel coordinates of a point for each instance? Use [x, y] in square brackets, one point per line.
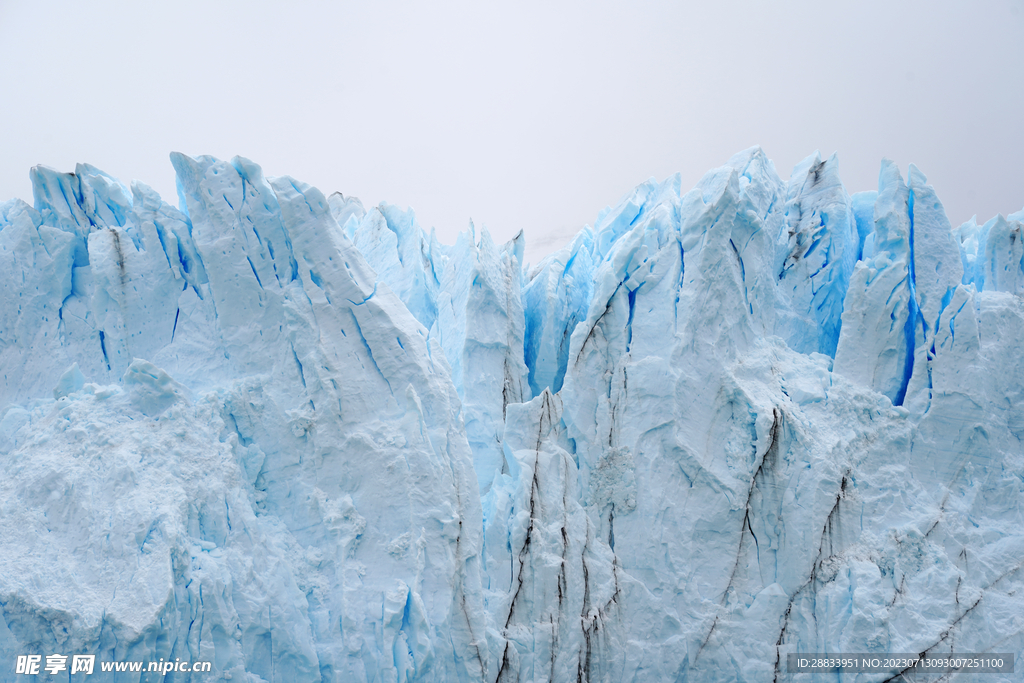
[305, 441]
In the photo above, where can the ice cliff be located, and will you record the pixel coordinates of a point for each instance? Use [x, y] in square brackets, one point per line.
[305, 441]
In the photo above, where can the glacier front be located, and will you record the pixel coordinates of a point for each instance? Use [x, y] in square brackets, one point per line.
[305, 441]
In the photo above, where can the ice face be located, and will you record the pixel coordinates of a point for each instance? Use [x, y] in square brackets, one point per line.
[820, 252]
[306, 442]
[334, 442]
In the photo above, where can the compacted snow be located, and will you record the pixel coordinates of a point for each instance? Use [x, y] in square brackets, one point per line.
[304, 441]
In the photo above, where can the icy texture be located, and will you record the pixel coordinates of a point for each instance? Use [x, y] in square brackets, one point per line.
[320, 479]
[820, 254]
[307, 442]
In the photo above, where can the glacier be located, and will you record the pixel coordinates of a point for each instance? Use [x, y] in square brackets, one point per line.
[305, 441]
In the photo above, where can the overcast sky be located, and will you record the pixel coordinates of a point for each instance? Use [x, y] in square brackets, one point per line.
[520, 115]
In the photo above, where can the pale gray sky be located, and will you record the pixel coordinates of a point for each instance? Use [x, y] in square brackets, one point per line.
[520, 115]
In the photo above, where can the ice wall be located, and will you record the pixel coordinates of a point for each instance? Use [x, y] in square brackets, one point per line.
[305, 441]
[302, 501]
